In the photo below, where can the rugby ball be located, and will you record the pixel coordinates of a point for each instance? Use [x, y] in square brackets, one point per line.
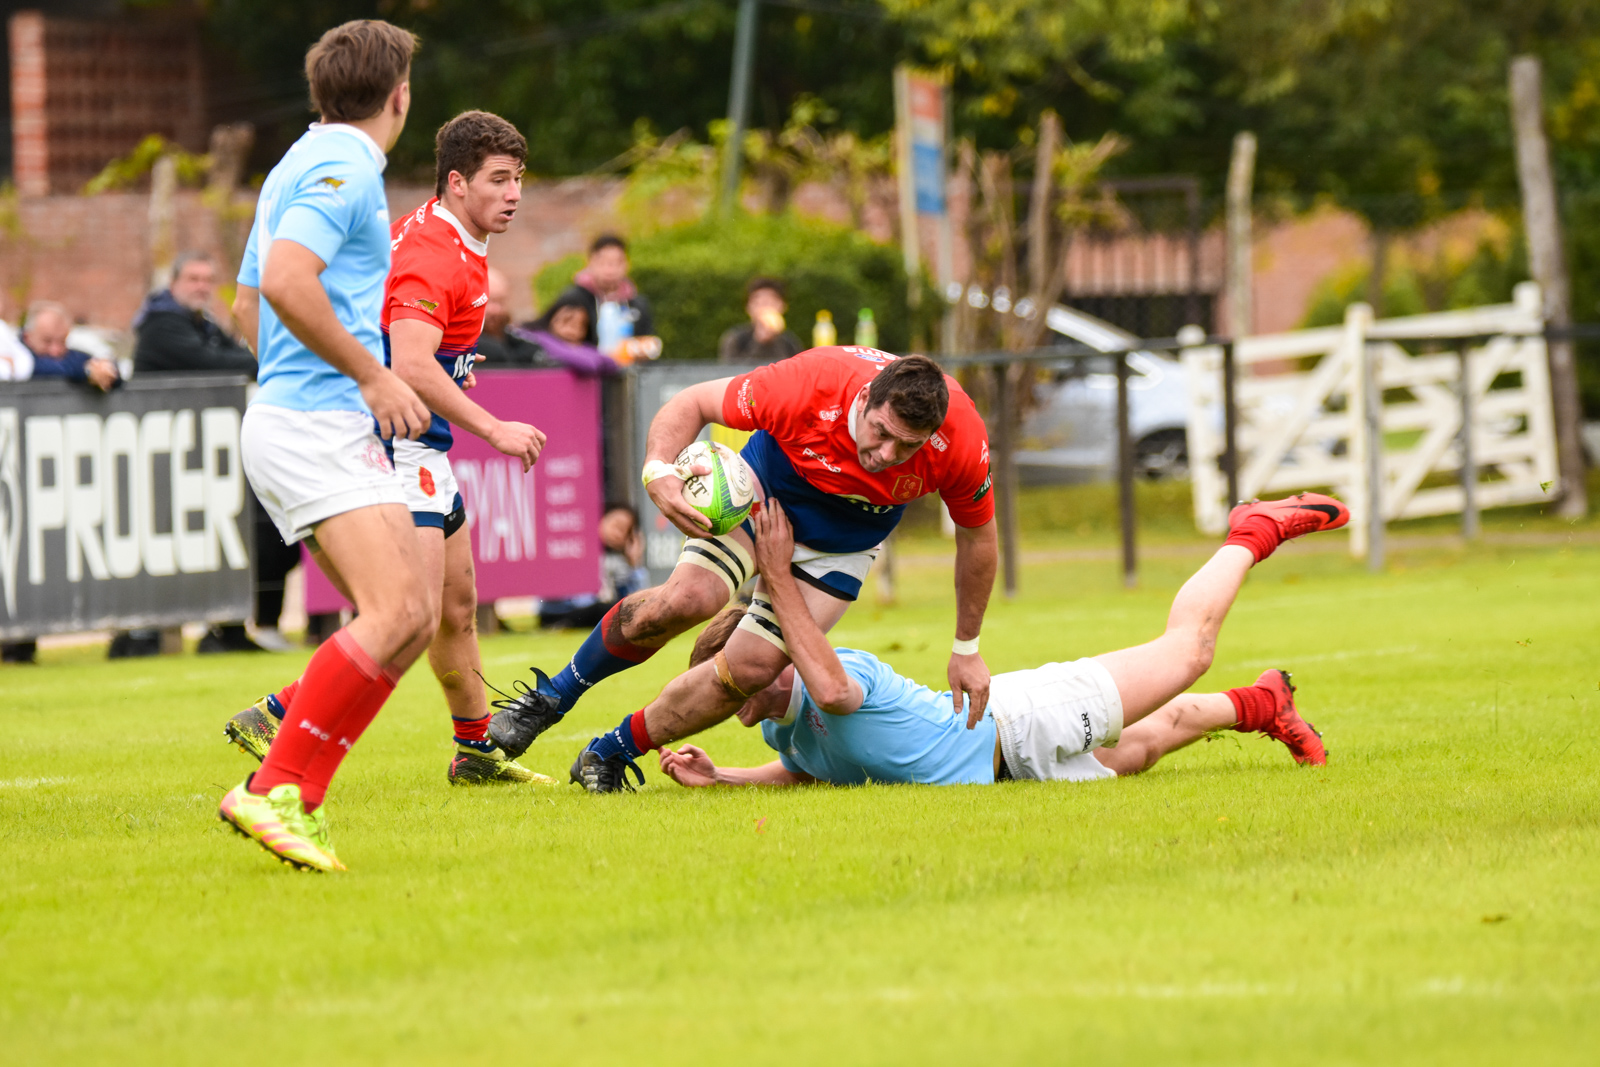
[724, 496]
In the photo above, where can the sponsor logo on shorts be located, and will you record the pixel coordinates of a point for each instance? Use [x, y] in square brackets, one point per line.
[374, 456]
[824, 460]
[830, 414]
[983, 490]
[907, 487]
[1088, 731]
[866, 505]
[425, 481]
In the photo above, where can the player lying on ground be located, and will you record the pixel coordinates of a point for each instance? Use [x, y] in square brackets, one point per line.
[317, 258]
[432, 319]
[848, 718]
[845, 438]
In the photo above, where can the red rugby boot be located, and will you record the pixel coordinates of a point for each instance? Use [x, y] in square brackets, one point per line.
[1263, 525]
[1286, 725]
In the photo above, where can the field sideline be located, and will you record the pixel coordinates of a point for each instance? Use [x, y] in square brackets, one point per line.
[1433, 896]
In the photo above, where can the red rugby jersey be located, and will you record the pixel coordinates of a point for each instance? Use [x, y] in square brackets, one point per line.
[440, 274]
[804, 402]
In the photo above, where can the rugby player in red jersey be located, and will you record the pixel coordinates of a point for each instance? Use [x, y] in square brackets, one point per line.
[845, 438]
[432, 318]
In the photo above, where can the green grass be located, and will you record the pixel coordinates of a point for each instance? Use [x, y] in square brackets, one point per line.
[1433, 896]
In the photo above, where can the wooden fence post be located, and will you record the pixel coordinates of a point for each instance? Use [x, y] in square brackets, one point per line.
[1541, 218]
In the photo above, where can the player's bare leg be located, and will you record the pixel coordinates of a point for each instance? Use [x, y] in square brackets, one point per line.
[634, 629]
[1177, 723]
[697, 699]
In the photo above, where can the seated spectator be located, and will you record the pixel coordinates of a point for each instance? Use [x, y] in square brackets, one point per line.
[564, 337]
[44, 333]
[175, 331]
[16, 362]
[499, 346]
[621, 573]
[763, 339]
[616, 310]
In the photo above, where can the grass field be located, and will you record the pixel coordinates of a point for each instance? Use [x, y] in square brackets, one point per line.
[1432, 896]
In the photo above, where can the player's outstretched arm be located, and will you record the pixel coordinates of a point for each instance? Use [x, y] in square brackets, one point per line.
[412, 347]
[827, 683]
[977, 558]
[679, 422]
[291, 283]
[690, 766]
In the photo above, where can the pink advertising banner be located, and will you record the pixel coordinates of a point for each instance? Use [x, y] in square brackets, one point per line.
[533, 534]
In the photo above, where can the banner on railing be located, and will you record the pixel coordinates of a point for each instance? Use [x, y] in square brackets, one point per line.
[123, 509]
[533, 534]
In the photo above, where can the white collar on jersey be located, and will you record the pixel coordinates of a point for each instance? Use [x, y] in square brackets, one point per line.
[320, 128]
[851, 422]
[480, 247]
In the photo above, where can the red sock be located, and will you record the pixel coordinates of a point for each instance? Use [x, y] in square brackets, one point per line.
[616, 644]
[1257, 533]
[641, 732]
[339, 693]
[1255, 707]
[471, 729]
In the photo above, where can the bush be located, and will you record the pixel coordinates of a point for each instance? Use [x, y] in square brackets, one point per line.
[695, 275]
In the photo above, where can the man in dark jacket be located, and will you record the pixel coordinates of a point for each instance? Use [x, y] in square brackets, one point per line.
[498, 346]
[45, 332]
[616, 309]
[763, 339]
[174, 331]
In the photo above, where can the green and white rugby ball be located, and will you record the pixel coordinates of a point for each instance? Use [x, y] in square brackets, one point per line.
[724, 496]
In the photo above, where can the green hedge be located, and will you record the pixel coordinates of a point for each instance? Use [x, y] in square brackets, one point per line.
[695, 275]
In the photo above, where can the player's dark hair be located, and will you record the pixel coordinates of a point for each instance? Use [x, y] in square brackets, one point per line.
[353, 68]
[915, 390]
[760, 282]
[715, 635]
[607, 240]
[466, 141]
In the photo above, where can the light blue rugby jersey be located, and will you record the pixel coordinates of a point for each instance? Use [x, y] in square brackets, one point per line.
[903, 732]
[326, 194]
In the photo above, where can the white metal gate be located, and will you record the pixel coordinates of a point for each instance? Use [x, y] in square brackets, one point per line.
[1302, 419]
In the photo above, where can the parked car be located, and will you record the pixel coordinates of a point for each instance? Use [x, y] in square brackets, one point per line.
[1069, 431]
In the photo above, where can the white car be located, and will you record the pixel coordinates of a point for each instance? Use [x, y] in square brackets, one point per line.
[1069, 433]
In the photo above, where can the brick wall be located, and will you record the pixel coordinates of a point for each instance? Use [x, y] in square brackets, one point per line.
[85, 91]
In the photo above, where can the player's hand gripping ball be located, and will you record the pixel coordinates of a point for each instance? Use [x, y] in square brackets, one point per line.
[724, 496]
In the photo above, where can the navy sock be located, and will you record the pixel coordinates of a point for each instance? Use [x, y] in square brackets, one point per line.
[275, 707]
[623, 741]
[603, 653]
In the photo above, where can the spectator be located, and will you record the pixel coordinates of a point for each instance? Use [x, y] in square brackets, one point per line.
[175, 332]
[499, 346]
[763, 339]
[44, 334]
[621, 573]
[616, 310]
[564, 335]
[16, 362]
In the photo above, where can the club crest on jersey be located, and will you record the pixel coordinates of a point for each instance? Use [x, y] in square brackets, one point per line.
[907, 488]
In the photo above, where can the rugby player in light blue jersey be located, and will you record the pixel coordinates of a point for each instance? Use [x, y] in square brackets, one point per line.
[314, 441]
[844, 717]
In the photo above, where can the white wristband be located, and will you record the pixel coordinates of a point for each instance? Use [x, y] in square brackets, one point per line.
[657, 468]
[965, 648]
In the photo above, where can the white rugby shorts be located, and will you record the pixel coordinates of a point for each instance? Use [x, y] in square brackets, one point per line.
[1052, 718]
[307, 466]
[427, 480]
